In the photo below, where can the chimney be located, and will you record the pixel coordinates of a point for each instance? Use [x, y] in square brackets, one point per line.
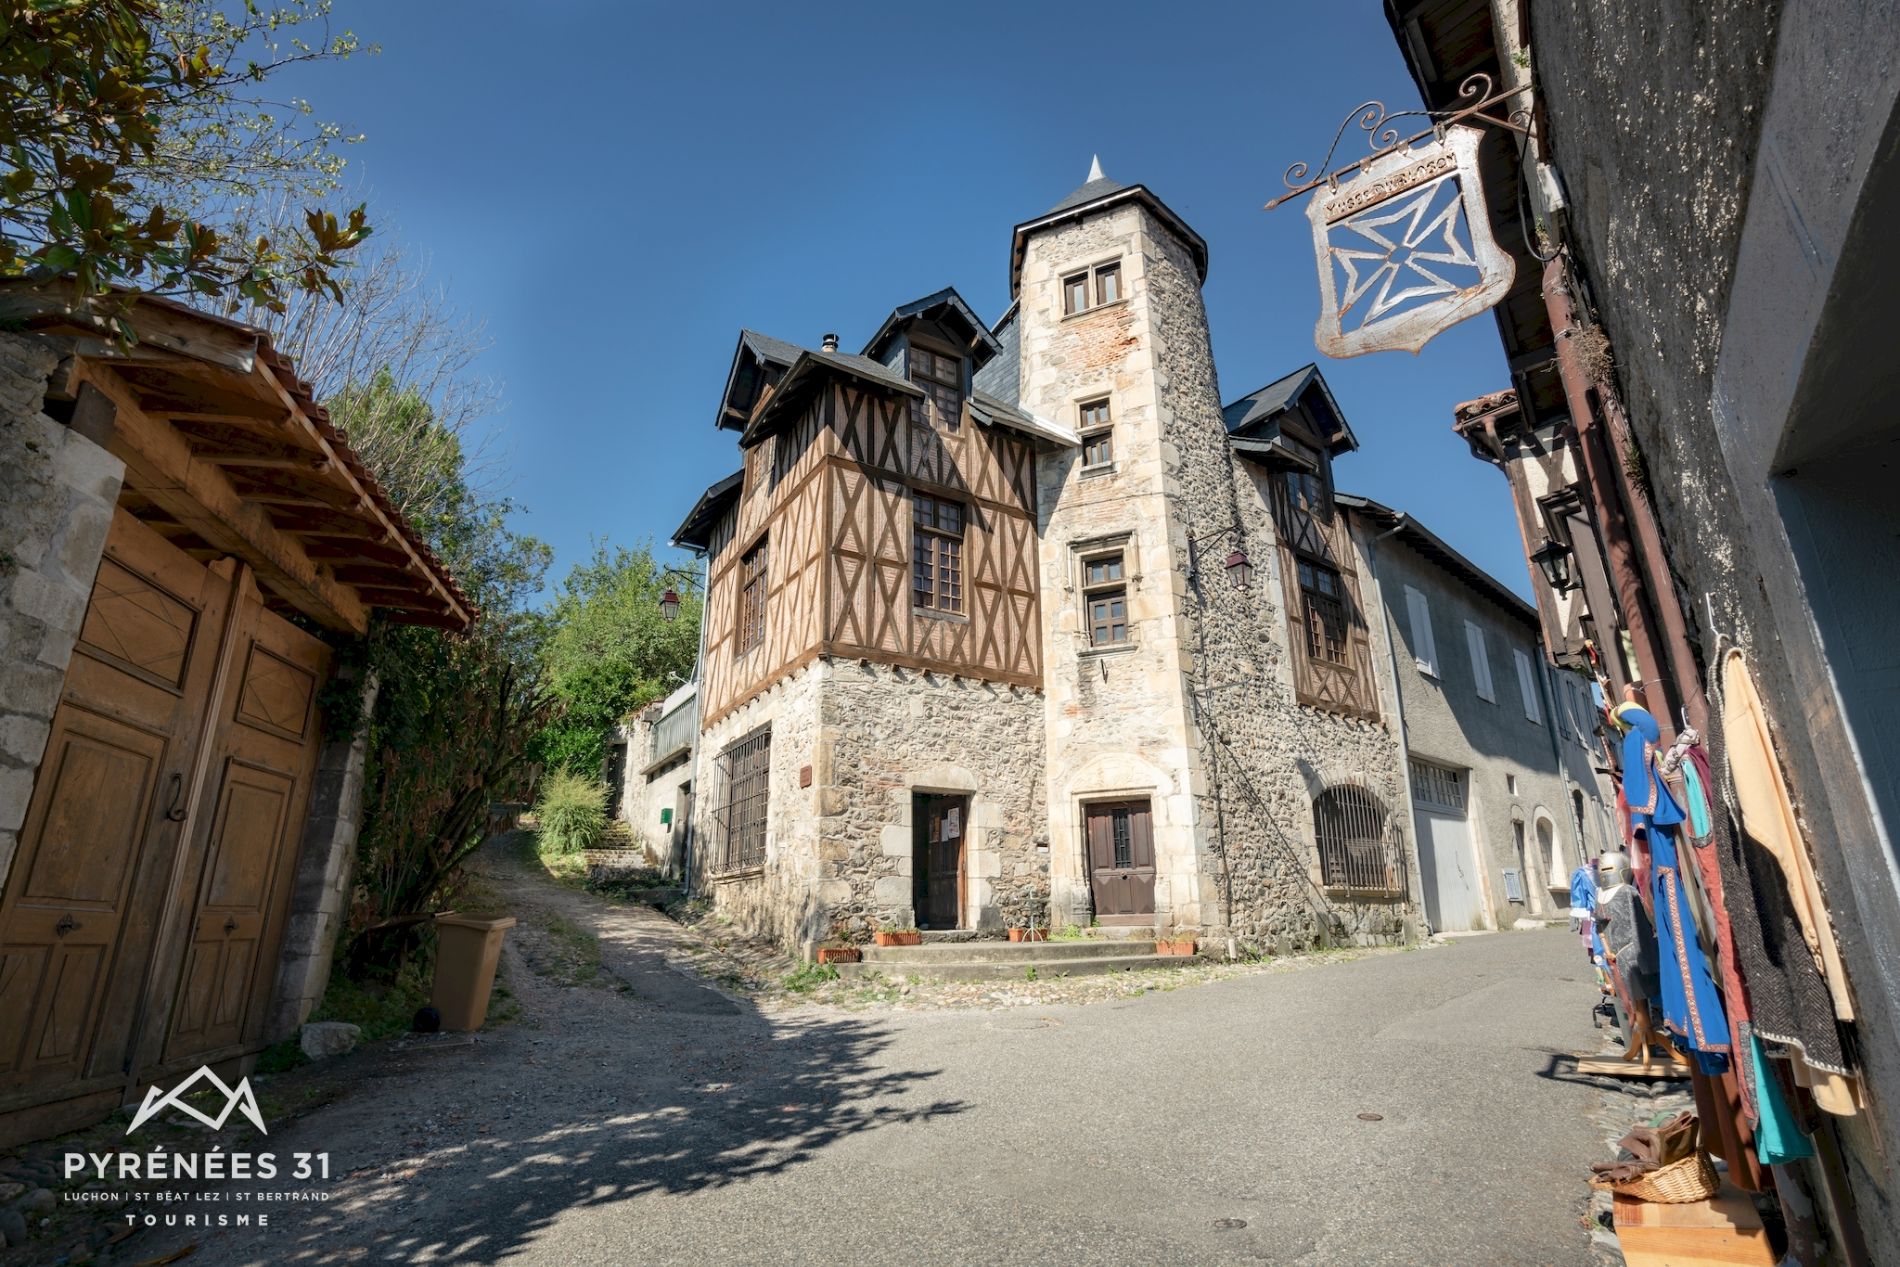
[831, 343]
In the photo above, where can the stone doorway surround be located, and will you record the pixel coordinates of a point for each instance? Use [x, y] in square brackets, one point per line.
[1123, 777]
[982, 846]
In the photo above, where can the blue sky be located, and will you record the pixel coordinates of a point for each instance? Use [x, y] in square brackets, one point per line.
[618, 188]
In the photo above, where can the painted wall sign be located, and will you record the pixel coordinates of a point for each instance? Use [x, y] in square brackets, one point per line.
[1405, 248]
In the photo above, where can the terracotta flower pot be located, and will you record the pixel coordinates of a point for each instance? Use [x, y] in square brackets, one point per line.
[839, 954]
[910, 937]
[1029, 934]
[1175, 946]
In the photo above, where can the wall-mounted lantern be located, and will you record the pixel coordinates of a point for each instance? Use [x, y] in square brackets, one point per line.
[1240, 569]
[670, 605]
[1554, 560]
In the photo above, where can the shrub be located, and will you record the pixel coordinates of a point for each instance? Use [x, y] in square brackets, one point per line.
[572, 812]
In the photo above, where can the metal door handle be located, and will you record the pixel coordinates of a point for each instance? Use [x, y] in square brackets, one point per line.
[66, 925]
[230, 924]
[176, 812]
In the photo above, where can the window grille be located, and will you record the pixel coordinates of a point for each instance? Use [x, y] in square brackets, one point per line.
[752, 598]
[936, 571]
[1359, 846]
[747, 766]
[1435, 785]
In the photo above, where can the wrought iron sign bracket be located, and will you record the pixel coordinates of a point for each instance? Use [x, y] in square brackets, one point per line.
[1384, 139]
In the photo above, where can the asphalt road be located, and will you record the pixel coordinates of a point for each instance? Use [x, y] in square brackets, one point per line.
[664, 1123]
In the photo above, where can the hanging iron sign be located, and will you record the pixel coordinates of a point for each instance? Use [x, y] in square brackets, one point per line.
[1404, 247]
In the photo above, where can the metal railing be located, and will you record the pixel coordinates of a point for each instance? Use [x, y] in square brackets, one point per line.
[673, 733]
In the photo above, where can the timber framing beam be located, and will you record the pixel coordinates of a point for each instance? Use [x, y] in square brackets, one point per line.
[161, 466]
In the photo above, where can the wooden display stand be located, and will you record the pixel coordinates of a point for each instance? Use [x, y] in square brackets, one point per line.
[1638, 1059]
[1723, 1231]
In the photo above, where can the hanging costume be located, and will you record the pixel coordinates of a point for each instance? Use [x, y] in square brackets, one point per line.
[1692, 1007]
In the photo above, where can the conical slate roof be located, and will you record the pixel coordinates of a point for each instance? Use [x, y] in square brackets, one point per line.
[1097, 186]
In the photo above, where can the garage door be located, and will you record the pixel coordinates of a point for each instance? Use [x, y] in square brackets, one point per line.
[1447, 863]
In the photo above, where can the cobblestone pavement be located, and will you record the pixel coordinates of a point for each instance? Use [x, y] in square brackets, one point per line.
[1398, 1108]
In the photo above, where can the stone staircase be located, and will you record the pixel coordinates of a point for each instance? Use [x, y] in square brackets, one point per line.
[971, 957]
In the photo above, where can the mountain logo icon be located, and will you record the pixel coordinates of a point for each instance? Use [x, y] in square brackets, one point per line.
[240, 1097]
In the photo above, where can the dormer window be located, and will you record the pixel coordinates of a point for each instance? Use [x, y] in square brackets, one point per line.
[941, 378]
[1092, 288]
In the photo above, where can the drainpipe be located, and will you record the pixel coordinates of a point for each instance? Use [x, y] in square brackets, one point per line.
[699, 711]
[1415, 890]
[1601, 478]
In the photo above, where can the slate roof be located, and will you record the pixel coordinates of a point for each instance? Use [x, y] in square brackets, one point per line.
[1434, 547]
[991, 412]
[997, 377]
[1251, 413]
[1100, 187]
[947, 297]
[1101, 192]
[695, 531]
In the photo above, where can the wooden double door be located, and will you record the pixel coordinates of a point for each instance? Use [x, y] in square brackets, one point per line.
[142, 912]
[1121, 854]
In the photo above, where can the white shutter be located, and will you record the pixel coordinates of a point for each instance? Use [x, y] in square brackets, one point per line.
[1527, 683]
[1424, 649]
[1480, 662]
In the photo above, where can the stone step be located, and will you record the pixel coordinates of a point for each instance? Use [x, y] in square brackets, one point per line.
[996, 970]
[1024, 952]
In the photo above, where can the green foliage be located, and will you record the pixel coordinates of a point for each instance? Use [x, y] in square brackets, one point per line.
[608, 651]
[454, 714]
[572, 812]
[808, 977]
[382, 1008]
[134, 128]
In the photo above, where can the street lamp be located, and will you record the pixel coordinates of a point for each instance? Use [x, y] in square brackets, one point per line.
[1554, 560]
[1240, 569]
[670, 600]
[670, 605]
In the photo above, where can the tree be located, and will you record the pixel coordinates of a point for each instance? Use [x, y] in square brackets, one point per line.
[136, 140]
[456, 715]
[609, 652]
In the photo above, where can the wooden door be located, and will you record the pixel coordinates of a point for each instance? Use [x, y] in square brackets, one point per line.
[81, 910]
[1121, 854]
[1448, 870]
[943, 822]
[258, 783]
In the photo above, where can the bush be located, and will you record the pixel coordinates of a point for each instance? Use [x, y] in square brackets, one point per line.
[572, 812]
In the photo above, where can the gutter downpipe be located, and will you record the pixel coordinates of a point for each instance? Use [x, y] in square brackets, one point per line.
[699, 686]
[1612, 520]
[1417, 886]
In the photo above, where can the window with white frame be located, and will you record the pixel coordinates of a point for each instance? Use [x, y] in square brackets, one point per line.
[1418, 613]
[1480, 662]
[1527, 685]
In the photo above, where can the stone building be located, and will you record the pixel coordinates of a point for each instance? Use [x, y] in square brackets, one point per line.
[1017, 623]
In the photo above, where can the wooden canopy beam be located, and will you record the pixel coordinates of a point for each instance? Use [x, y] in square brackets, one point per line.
[196, 494]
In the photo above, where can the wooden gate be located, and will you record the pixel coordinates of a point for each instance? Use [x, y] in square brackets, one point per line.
[1121, 851]
[938, 889]
[142, 912]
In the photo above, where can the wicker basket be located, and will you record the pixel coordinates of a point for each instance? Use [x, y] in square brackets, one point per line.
[1691, 1179]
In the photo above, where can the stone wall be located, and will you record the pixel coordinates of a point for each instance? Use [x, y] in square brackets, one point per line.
[1732, 182]
[889, 733]
[1261, 756]
[321, 883]
[56, 503]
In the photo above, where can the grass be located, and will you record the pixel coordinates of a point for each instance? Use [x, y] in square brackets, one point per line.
[808, 977]
[381, 1009]
[575, 952]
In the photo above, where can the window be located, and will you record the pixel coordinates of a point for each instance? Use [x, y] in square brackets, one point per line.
[936, 571]
[1357, 847]
[1322, 594]
[753, 579]
[1527, 686]
[1097, 438]
[1091, 288]
[1480, 662]
[1424, 648]
[941, 377]
[1434, 785]
[747, 768]
[1105, 597]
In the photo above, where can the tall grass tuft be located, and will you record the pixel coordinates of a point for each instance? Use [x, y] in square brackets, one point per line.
[572, 812]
